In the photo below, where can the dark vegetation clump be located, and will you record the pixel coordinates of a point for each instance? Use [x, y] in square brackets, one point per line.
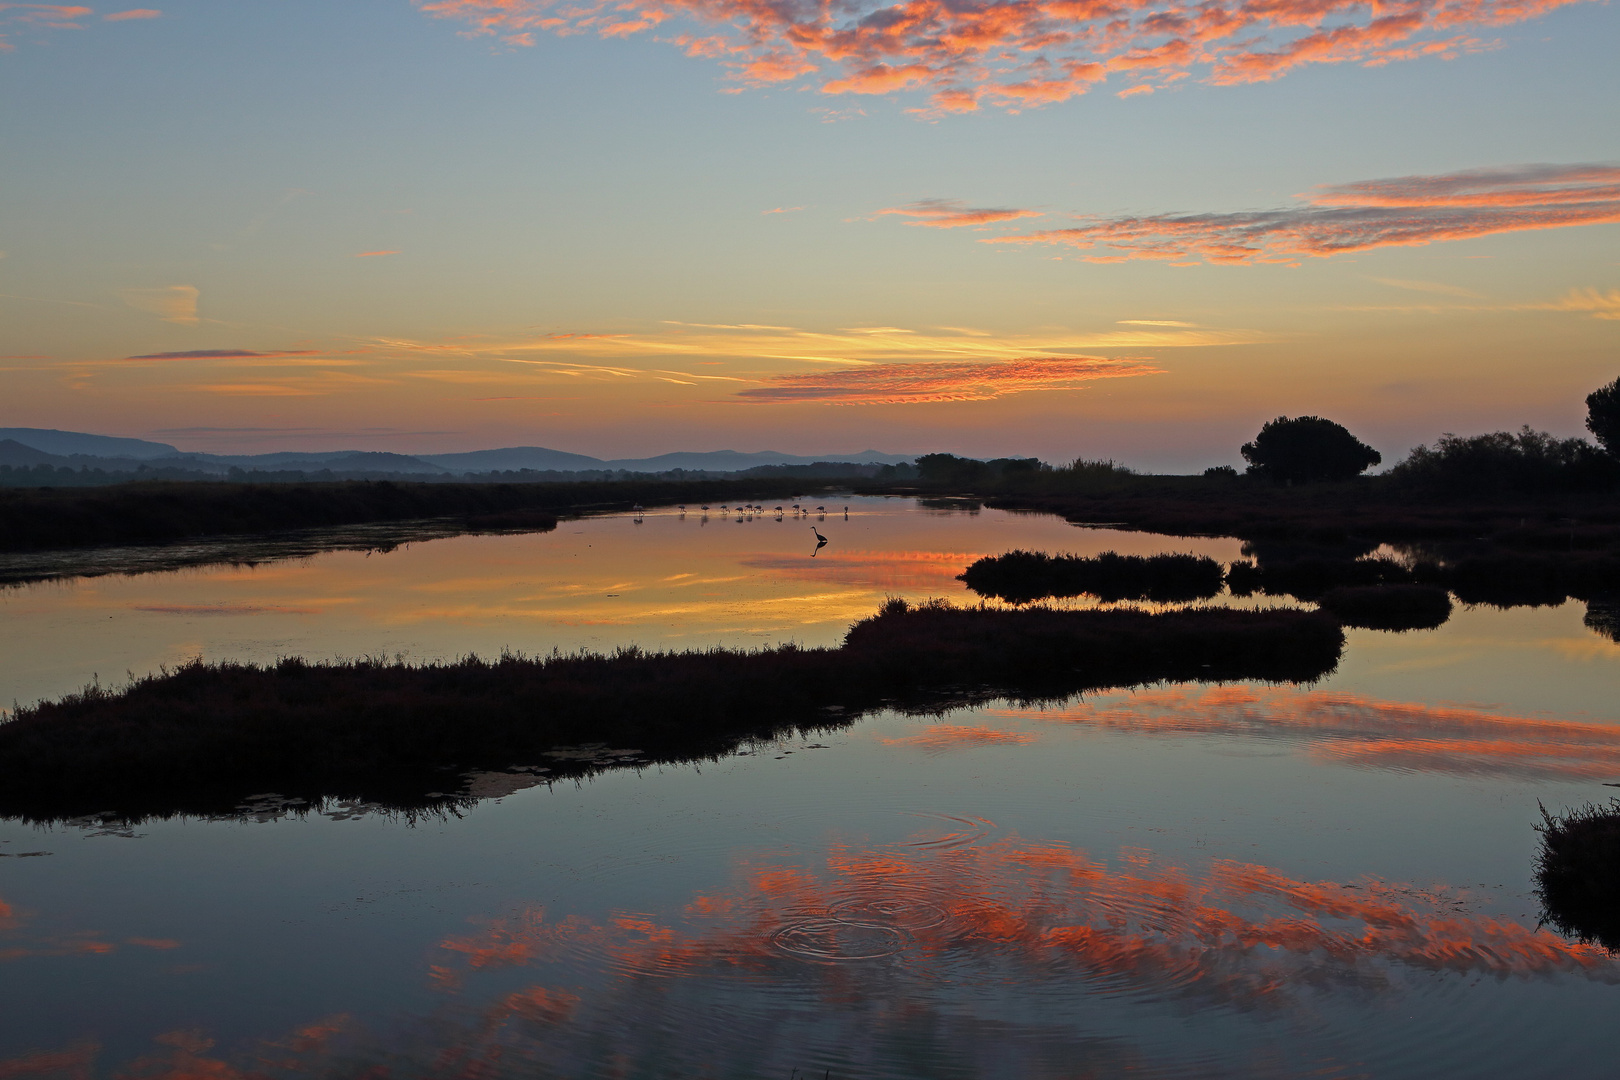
[1388, 607]
[199, 738]
[1603, 416]
[1504, 461]
[1022, 576]
[1309, 578]
[1578, 873]
[1603, 616]
[1307, 450]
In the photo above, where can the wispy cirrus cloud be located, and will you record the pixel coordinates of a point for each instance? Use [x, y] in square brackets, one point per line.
[171, 303]
[901, 384]
[1599, 305]
[1402, 212]
[133, 13]
[953, 214]
[219, 354]
[1013, 54]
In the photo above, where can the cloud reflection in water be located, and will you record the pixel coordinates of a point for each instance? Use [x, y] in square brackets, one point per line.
[1359, 730]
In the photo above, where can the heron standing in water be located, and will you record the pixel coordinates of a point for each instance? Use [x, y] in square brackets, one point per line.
[821, 541]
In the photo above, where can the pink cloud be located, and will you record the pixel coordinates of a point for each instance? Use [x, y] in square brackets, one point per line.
[133, 13]
[952, 214]
[1015, 53]
[942, 380]
[1402, 212]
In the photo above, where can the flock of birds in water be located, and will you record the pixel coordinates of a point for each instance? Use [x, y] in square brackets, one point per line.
[745, 511]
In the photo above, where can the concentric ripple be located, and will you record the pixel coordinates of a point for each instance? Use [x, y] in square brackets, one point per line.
[840, 940]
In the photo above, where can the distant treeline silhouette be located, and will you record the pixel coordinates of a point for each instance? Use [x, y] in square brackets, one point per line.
[201, 737]
[36, 519]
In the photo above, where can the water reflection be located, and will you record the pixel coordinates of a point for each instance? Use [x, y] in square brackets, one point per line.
[961, 952]
[596, 583]
[1354, 729]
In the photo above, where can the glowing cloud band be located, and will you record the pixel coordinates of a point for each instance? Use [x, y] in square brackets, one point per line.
[1403, 212]
[1014, 54]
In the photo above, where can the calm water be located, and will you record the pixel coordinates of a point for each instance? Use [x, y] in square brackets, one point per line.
[1187, 881]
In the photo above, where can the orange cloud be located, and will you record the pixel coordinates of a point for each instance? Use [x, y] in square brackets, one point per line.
[133, 13]
[890, 384]
[1357, 730]
[1598, 304]
[1402, 212]
[1015, 53]
[952, 214]
[371, 254]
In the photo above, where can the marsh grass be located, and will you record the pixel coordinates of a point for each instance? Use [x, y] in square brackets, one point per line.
[202, 736]
[1578, 873]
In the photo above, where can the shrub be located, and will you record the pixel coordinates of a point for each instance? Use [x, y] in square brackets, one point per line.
[1603, 416]
[1528, 461]
[1307, 449]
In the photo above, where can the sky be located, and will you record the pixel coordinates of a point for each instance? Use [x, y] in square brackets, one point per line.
[1125, 229]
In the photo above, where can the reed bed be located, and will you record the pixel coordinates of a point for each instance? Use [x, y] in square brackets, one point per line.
[201, 737]
[1578, 872]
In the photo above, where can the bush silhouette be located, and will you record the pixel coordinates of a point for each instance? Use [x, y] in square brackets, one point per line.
[1526, 460]
[1603, 416]
[1305, 449]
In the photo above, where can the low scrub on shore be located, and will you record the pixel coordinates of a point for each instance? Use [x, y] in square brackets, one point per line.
[34, 519]
[1578, 872]
[1023, 576]
[201, 737]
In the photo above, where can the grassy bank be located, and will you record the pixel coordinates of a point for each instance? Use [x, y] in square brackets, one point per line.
[33, 519]
[202, 737]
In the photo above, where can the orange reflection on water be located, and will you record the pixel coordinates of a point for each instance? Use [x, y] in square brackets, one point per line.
[1008, 910]
[74, 1063]
[18, 942]
[1360, 730]
[950, 736]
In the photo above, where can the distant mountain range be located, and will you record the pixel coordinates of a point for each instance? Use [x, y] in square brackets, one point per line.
[31, 447]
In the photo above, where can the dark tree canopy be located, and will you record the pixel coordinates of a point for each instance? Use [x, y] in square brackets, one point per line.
[1603, 416]
[1306, 449]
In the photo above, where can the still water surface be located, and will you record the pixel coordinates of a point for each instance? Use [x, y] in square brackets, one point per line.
[1192, 880]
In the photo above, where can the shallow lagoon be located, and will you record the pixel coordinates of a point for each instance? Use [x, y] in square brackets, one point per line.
[1175, 881]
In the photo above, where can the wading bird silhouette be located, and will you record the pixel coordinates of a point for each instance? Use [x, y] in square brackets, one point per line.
[821, 541]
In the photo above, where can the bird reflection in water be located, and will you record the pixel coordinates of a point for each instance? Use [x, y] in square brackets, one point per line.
[821, 541]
